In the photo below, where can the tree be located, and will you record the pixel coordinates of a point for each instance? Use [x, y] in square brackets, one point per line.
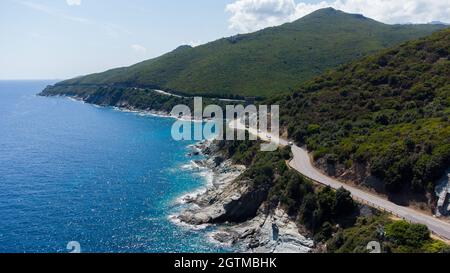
[326, 200]
[309, 206]
[344, 203]
[396, 232]
[417, 235]
[325, 233]
[403, 233]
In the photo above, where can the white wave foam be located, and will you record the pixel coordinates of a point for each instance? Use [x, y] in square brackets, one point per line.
[174, 219]
[192, 165]
[208, 176]
[77, 100]
[189, 197]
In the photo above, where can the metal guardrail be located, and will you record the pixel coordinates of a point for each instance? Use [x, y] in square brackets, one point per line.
[360, 200]
[370, 204]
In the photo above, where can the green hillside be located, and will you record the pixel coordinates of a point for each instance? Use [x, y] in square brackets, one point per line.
[389, 111]
[271, 61]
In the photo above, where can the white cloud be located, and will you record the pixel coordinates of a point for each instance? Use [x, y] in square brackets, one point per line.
[139, 48]
[251, 15]
[73, 2]
[195, 43]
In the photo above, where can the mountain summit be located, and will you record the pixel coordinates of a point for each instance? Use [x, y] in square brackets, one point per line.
[331, 14]
[266, 62]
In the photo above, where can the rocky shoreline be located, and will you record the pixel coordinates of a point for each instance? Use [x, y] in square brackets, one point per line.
[124, 107]
[228, 202]
[237, 210]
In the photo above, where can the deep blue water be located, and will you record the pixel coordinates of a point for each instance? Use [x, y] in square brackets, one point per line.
[75, 172]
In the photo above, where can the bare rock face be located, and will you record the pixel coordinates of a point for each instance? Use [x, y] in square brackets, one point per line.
[234, 203]
[229, 199]
[272, 233]
[236, 206]
[243, 207]
[443, 193]
[358, 172]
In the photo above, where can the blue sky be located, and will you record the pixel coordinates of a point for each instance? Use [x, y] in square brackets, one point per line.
[56, 39]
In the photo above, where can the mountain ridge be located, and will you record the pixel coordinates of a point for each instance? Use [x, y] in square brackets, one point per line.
[272, 60]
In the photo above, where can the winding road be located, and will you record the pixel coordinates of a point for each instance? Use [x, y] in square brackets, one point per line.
[164, 93]
[303, 164]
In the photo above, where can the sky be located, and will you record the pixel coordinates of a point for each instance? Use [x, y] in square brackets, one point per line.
[59, 39]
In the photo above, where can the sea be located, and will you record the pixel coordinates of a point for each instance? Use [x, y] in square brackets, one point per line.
[79, 177]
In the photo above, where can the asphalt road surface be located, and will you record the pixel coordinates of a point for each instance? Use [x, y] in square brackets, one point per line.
[303, 164]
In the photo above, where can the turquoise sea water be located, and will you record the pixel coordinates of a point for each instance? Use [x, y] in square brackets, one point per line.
[75, 172]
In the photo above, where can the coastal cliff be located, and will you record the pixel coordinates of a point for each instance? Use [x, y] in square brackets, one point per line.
[122, 97]
[240, 209]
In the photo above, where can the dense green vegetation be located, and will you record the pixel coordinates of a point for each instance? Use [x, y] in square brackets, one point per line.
[139, 99]
[389, 111]
[271, 61]
[332, 217]
[394, 237]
